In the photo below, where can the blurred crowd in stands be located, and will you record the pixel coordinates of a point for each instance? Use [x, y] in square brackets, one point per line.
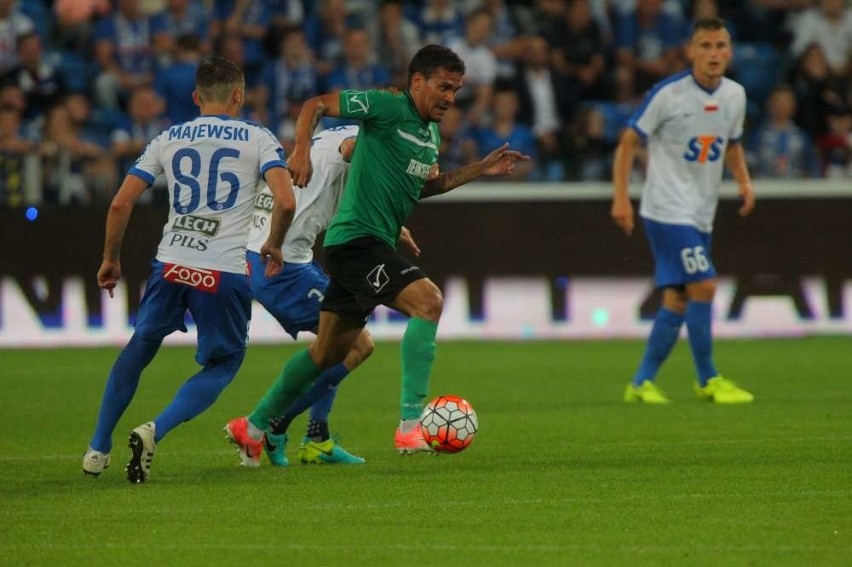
[87, 83]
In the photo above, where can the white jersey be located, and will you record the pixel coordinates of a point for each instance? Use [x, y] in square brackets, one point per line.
[213, 166]
[315, 204]
[687, 130]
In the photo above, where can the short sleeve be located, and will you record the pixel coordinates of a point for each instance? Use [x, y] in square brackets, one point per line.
[148, 167]
[650, 114]
[369, 105]
[270, 151]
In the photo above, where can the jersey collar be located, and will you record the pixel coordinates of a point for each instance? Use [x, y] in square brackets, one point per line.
[702, 87]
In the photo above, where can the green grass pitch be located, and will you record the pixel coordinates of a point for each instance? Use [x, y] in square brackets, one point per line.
[561, 473]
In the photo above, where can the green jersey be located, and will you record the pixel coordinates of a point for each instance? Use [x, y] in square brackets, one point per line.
[394, 152]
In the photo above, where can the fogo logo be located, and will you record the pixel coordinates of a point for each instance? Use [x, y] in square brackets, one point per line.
[192, 223]
[203, 280]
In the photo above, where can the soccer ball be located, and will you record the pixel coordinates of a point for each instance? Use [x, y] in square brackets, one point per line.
[449, 424]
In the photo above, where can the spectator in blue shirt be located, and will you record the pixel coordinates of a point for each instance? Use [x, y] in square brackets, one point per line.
[398, 39]
[358, 70]
[144, 121]
[180, 17]
[458, 146]
[176, 82]
[289, 79]
[231, 47]
[648, 42]
[123, 52]
[248, 20]
[781, 149]
[325, 30]
[505, 128]
[440, 21]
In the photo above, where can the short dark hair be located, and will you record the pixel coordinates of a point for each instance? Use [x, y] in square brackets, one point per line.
[217, 77]
[433, 57]
[708, 24]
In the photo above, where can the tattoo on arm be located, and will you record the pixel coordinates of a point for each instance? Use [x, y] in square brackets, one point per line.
[450, 180]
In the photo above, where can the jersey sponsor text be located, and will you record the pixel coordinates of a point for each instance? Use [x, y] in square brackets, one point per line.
[418, 169]
[704, 148]
[192, 223]
[264, 202]
[203, 280]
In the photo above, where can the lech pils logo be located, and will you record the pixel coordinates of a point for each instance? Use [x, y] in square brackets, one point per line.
[357, 103]
[263, 202]
[192, 223]
[378, 278]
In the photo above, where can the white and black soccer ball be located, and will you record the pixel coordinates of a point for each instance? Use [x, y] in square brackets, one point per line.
[449, 424]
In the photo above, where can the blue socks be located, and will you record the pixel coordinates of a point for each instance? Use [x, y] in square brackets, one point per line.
[120, 388]
[664, 336]
[319, 397]
[198, 393]
[662, 340]
[326, 386]
[699, 328]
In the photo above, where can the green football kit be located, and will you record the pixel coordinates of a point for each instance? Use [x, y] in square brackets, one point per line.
[393, 155]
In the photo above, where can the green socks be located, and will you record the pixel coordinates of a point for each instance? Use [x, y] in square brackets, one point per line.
[418, 354]
[295, 378]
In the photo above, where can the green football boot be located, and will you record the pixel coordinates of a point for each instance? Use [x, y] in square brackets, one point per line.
[326, 452]
[720, 390]
[647, 392]
[273, 446]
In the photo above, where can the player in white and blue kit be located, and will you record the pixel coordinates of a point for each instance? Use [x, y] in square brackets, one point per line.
[692, 123]
[294, 298]
[213, 166]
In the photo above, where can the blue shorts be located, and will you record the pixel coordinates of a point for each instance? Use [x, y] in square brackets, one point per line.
[681, 253]
[293, 296]
[221, 316]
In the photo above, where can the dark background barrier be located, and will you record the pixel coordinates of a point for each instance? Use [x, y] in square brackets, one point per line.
[768, 253]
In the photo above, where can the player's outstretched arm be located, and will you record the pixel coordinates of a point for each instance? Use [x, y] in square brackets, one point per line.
[116, 224]
[625, 153]
[299, 162]
[736, 162]
[284, 207]
[499, 162]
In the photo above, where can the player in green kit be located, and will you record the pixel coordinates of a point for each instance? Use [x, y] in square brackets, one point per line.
[393, 167]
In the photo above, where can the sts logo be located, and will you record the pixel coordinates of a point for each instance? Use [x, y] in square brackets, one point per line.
[704, 148]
